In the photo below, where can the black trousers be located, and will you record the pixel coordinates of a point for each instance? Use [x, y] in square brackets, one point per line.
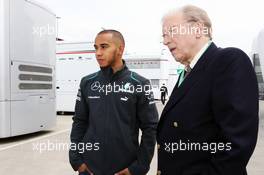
[163, 98]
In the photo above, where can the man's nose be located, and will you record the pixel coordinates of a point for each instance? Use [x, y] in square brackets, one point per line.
[98, 52]
[166, 40]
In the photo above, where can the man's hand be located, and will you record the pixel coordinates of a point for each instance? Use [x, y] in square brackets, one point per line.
[123, 172]
[84, 168]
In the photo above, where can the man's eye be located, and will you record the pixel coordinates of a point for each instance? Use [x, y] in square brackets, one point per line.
[103, 46]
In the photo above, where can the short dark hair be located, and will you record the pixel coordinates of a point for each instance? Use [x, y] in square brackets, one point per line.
[116, 34]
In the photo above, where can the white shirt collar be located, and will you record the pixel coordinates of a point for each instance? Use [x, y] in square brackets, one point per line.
[199, 54]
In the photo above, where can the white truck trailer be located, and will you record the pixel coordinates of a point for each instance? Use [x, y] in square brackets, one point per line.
[257, 56]
[74, 61]
[27, 67]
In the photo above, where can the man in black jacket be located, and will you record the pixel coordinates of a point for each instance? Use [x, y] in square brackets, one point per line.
[209, 125]
[164, 92]
[112, 105]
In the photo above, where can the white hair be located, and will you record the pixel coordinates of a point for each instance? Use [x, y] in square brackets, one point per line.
[192, 13]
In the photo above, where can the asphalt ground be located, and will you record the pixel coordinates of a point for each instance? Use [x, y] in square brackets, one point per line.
[26, 155]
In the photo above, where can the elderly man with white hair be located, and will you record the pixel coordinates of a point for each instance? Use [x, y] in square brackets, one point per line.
[209, 125]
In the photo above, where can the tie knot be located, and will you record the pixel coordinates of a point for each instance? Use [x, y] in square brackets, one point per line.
[188, 68]
[187, 71]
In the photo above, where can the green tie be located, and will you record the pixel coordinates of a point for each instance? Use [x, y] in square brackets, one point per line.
[184, 74]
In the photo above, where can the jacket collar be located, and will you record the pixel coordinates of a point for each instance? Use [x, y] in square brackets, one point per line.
[194, 76]
[109, 74]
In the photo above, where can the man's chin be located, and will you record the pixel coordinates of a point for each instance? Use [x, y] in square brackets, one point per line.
[103, 66]
[176, 58]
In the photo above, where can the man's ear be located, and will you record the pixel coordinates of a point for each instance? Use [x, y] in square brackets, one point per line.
[121, 48]
[199, 27]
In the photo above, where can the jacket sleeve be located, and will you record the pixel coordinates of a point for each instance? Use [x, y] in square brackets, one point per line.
[147, 116]
[235, 109]
[79, 127]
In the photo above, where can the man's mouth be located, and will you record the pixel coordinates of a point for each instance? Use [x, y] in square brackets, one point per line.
[172, 49]
[100, 61]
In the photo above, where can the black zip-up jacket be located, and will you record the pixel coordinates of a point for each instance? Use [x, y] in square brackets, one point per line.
[110, 109]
